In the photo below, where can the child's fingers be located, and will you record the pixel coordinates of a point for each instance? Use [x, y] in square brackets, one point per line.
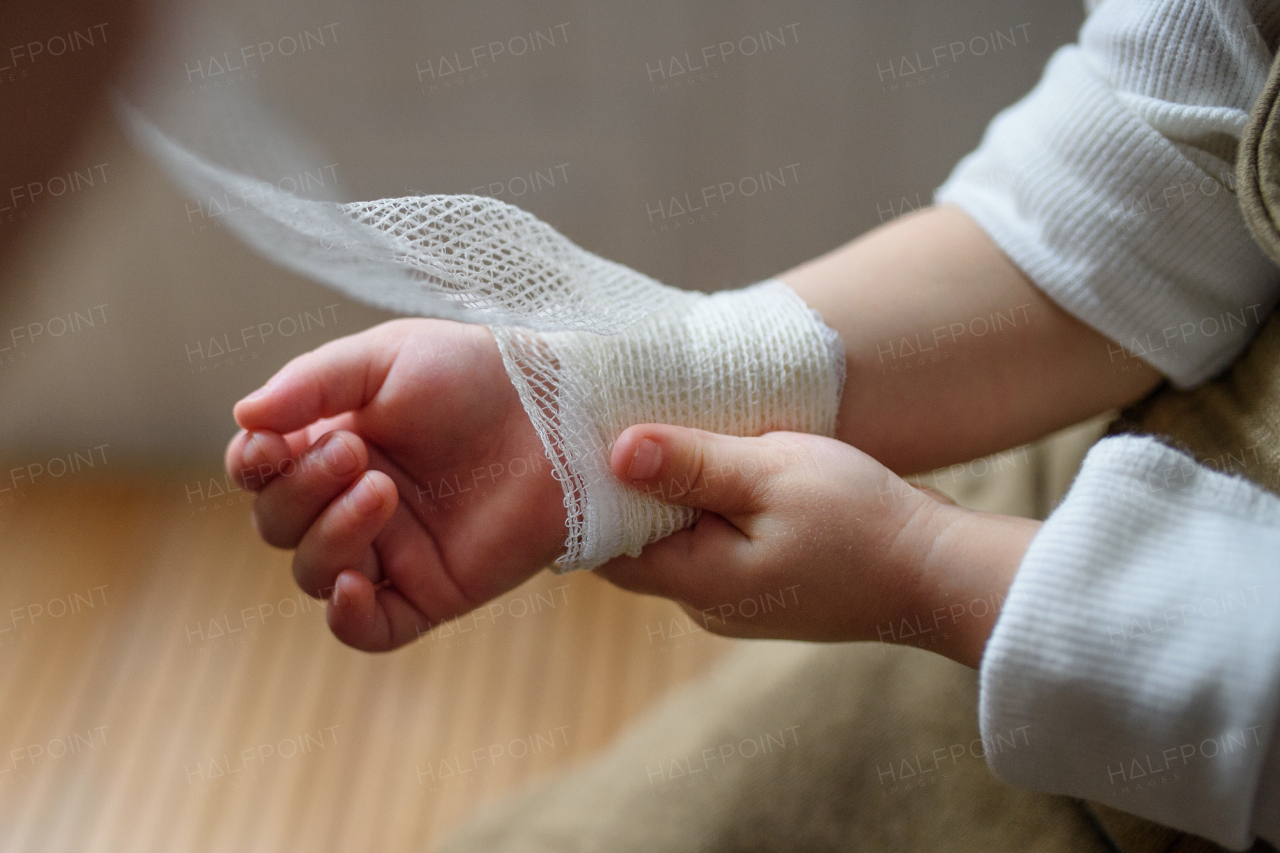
[353, 613]
[342, 537]
[369, 619]
[693, 467]
[306, 484]
[341, 376]
[411, 560]
[253, 459]
[694, 565]
[300, 440]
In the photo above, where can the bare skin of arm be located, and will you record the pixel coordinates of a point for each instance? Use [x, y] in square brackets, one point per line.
[935, 279]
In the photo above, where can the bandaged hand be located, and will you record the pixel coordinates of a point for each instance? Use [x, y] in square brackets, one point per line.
[424, 467]
[804, 537]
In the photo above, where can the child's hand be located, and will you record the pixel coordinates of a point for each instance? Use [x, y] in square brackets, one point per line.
[401, 465]
[804, 537]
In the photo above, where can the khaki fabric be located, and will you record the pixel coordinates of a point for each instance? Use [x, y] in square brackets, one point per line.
[1258, 168]
[796, 747]
[1231, 424]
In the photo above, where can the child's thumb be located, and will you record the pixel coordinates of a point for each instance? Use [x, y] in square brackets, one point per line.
[692, 467]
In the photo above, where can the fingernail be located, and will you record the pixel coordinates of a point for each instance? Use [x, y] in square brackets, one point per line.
[645, 460]
[365, 498]
[338, 456]
[254, 454]
[263, 391]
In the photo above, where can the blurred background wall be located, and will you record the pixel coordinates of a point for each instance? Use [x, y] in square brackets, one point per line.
[119, 315]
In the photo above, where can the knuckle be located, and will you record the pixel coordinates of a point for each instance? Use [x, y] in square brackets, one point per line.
[785, 466]
[749, 486]
[753, 492]
[695, 468]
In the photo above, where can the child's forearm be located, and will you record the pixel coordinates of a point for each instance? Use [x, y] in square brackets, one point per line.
[952, 352]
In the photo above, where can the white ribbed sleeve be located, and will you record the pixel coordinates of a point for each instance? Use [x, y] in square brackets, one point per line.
[1137, 658]
[1111, 183]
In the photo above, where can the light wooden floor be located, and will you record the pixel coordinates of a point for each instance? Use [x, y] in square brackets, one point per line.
[164, 686]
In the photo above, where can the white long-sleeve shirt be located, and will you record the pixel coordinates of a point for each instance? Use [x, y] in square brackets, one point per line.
[1137, 657]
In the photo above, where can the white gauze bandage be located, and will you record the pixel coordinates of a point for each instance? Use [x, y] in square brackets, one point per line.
[740, 362]
[591, 346]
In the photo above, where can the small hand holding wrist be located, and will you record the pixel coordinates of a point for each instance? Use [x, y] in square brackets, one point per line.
[805, 537]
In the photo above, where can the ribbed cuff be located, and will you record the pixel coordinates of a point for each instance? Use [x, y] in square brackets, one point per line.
[1137, 658]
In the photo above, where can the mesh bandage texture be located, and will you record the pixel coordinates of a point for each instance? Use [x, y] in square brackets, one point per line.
[741, 362]
[459, 257]
[591, 346]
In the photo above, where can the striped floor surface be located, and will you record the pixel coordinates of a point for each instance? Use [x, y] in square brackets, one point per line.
[164, 686]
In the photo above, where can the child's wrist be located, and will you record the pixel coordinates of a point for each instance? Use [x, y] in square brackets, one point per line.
[970, 563]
